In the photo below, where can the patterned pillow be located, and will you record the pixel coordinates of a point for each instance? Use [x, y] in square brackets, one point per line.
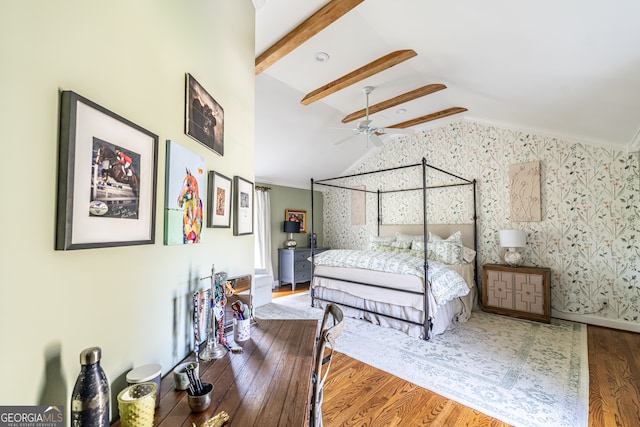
[446, 251]
[401, 244]
[375, 242]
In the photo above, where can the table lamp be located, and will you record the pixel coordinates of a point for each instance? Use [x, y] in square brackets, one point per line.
[291, 227]
[513, 243]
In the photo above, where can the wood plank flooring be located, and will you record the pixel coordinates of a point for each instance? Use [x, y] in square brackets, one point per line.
[357, 394]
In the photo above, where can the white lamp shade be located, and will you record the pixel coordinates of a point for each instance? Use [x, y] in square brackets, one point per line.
[512, 238]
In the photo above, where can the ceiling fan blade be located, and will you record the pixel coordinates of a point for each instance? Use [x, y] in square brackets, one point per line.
[375, 139]
[345, 139]
[396, 131]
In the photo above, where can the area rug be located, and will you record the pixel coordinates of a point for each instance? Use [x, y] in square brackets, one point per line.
[523, 373]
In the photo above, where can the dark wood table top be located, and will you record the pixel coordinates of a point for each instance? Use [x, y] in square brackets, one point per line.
[269, 384]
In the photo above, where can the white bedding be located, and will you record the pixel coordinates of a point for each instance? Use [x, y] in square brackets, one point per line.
[332, 283]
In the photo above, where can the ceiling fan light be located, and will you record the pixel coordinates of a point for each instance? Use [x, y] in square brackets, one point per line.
[322, 56]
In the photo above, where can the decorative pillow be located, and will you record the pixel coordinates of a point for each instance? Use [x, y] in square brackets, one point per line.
[417, 246]
[468, 254]
[446, 251]
[376, 241]
[409, 237]
[401, 244]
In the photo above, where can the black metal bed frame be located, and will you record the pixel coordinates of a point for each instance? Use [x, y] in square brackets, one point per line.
[324, 182]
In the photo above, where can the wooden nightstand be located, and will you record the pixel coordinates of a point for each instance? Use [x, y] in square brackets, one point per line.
[523, 292]
[294, 266]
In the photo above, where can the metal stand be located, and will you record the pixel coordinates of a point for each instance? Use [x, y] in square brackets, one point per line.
[214, 349]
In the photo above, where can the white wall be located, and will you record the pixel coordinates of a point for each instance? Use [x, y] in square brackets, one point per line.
[131, 58]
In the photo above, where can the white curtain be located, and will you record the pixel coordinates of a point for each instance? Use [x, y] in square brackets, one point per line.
[263, 231]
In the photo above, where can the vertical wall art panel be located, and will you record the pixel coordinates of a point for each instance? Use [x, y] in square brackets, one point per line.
[524, 189]
[183, 201]
[358, 206]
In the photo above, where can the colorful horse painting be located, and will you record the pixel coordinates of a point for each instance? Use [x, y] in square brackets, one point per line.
[189, 200]
[116, 170]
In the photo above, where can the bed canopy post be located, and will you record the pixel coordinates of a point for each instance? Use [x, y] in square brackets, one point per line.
[312, 248]
[379, 213]
[425, 235]
[475, 238]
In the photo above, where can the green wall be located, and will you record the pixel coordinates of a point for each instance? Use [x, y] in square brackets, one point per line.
[283, 198]
[133, 301]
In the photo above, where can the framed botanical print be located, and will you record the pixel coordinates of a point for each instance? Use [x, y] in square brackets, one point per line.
[243, 206]
[106, 178]
[219, 203]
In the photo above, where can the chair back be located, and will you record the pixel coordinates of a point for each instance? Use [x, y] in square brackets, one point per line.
[330, 329]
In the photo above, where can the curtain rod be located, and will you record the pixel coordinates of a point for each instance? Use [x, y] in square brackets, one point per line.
[261, 188]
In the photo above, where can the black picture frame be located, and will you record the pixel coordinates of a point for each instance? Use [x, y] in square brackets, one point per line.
[103, 201]
[219, 206]
[242, 206]
[204, 117]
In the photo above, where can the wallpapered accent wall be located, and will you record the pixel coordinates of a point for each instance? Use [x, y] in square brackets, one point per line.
[589, 233]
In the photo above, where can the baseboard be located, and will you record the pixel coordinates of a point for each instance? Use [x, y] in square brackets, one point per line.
[597, 321]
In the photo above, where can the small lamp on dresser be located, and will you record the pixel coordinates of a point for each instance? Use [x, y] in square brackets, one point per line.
[512, 243]
[291, 227]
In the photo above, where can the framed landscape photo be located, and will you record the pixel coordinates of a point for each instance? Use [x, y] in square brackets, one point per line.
[204, 117]
[106, 178]
[219, 203]
[297, 215]
[243, 206]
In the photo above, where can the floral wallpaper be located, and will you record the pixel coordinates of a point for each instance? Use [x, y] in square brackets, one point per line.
[589, 234]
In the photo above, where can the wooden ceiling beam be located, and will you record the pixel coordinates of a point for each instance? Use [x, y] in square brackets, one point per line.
[392, 102]
[380, 64]
[317, 22]
[429, 117]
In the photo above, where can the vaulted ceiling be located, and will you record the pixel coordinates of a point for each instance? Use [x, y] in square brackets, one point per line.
[569, 69]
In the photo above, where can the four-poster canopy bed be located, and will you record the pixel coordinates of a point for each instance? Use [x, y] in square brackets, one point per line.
[418, 278]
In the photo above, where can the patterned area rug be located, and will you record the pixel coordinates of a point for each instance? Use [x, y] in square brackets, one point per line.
[524, 373]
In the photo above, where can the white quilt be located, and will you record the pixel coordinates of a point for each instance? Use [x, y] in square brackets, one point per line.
[445, 283]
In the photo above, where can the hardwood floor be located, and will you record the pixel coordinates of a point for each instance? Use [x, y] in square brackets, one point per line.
[357, 394]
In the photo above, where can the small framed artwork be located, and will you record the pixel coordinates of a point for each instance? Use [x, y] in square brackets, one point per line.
[219, 206]
[185, 179]
[106, 178]
[297, 216]
[243, 206]
[204, 117]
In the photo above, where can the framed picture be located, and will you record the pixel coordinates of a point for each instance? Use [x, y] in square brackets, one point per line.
[183, 203]
[106, 178]
[243, 206]
[204, 117]
[297, 216]
[219, 203]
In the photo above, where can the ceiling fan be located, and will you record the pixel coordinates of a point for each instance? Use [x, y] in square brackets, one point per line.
[372, 133]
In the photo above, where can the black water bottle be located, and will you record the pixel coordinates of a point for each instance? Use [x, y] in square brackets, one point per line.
[90, 399]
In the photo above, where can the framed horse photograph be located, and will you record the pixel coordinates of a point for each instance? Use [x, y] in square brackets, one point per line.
[106, 178]
[204, 117]
[184, 196]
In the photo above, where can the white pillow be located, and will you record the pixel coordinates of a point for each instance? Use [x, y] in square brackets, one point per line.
[409, 237]
[468, 254]
[376, 241]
